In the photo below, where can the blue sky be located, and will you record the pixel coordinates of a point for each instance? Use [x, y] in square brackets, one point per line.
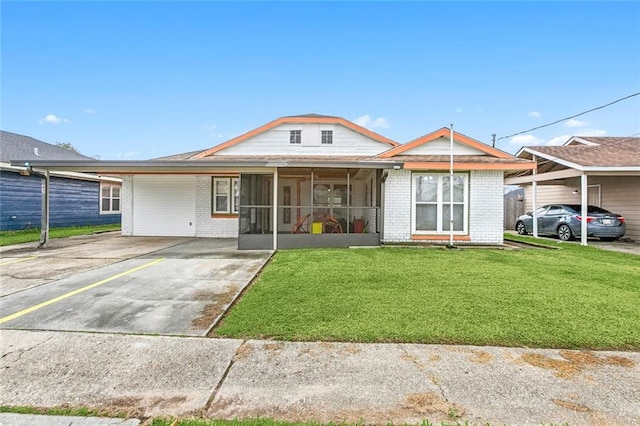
[137, 80]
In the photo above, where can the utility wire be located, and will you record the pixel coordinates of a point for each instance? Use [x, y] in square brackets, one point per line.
[569, 118]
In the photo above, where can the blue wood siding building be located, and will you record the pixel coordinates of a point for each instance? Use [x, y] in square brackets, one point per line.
[73, 202]
[75, 199]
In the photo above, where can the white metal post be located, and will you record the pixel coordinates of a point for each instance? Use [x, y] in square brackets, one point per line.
[584, 194]
[275, 209]
[451, 188]
[44, 227]
[535, 198]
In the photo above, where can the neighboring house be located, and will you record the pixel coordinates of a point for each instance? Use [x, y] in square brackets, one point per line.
[317, 181]
[75, 198]
[513, 207]
[607, 167]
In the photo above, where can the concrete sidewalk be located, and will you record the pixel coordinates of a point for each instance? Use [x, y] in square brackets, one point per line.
[373, 383]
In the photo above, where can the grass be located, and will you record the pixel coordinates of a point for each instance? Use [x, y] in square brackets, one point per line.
[574, 297]
[171, 421]
[61, 411]
[31, 235]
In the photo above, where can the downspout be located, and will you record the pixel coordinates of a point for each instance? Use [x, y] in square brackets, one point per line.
[44, 227]
[44, 219]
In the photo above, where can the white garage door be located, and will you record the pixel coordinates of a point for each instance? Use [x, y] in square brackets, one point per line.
[164, 206]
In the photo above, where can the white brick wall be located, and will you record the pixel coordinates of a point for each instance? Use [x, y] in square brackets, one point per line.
[397, 206]
[485, 207]
[207, 226]
[126, 205]
[486, 199]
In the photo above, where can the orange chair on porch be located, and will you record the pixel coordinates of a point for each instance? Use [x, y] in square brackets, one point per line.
[331, 225]
[302, 225]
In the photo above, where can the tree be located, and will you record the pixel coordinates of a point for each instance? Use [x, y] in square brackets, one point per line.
[68, 146]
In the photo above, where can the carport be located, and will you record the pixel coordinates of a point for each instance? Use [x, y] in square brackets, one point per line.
[176, 197]
[590, 171]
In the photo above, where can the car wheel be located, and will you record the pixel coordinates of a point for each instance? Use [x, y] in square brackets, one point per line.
[564, 233]
[521, 229]
[608, 238]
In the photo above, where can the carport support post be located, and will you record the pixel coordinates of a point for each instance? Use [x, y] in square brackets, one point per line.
[275, 209]
[535, 199]
[584, 193]
[44, 227]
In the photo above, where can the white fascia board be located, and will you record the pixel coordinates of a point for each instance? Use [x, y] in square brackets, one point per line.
[580, 140]
[554, 159]
[612, 169]
[542, 177]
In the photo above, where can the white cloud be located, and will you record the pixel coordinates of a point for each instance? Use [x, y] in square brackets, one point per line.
[558, 140]
[534, 114]
[459, 110]
[369, 123]
[526, 140]
[53, 119]
[573, 123]
[89, 111]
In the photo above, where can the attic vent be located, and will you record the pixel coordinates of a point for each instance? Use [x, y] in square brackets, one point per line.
[35, 151]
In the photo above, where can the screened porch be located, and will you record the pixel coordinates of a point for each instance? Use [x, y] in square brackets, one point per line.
[319, 207]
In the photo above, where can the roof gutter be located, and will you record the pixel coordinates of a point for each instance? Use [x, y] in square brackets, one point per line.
[186, 166]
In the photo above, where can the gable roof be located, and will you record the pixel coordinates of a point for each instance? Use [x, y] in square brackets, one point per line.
[306, 118]
[590, 152]
[445, 133]
[19, 147]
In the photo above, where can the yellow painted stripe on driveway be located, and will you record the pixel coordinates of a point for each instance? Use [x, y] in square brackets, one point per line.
[74, 292]
[17, 260]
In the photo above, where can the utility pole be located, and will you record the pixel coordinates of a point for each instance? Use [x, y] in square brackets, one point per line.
[493, 137]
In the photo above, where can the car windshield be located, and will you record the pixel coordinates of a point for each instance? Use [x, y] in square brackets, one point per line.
[590, 209]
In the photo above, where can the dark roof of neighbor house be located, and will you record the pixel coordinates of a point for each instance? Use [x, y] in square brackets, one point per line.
[599, 152]
[14, 147]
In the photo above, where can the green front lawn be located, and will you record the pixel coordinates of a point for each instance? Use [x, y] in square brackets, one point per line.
[30, 235]
[574, 297]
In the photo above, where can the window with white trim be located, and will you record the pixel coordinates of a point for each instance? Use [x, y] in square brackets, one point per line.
[109, 198]
[431, 203]
[295, 136]
[327, 137]
[225, 195]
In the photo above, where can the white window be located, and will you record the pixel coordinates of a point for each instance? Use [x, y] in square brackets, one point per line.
[327, 137]
[295, 136]
[431, 203]
[225, 195]
[109, 198]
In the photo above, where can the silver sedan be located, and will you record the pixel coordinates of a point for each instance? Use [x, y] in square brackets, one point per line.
[565, 220]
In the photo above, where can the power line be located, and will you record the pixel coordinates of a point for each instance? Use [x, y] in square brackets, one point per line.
[569, 118]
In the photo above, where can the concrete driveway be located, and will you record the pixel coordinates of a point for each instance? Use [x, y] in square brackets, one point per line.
[169, 286]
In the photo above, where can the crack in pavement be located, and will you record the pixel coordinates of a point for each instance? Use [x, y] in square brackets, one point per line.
[223, 378]
[420, 366]
[21, 352]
